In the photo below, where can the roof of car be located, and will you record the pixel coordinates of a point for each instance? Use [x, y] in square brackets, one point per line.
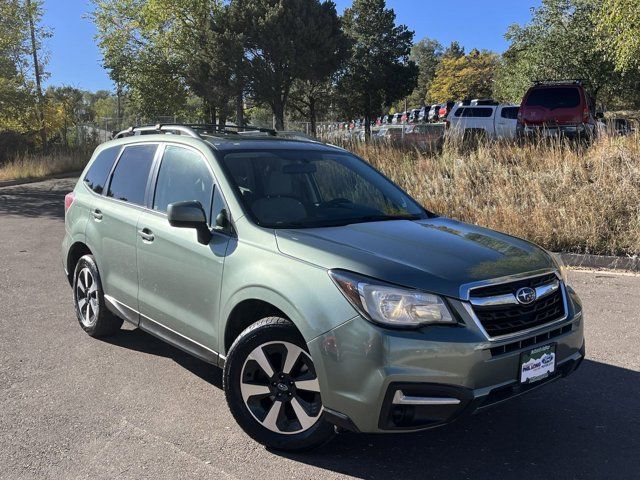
[236, 143]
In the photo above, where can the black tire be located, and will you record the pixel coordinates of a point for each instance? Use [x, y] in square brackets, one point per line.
[93, 316]
[270, 333]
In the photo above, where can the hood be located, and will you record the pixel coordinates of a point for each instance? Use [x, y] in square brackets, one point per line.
[437, 255]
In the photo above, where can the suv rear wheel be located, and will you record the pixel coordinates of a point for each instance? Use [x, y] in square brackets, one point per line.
[272, 388]
[88, 297]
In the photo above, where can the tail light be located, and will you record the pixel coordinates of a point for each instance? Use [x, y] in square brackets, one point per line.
[68, 200]
[585, 115]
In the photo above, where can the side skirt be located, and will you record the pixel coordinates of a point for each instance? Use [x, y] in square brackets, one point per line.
[164, 333]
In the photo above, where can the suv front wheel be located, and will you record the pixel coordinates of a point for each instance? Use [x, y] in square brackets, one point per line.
[272, 388]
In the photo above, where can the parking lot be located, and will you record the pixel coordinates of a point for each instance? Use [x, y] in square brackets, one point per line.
[133, 407]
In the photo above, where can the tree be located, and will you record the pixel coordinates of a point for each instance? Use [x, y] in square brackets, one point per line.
[464, 77]
[379, 71]
[133, 41]
[560, 42]
[454, 50]
[426, 54]
[284, 41]
[618, 25]
[34, 14]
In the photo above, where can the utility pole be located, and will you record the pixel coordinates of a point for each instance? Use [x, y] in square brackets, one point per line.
[36, 68]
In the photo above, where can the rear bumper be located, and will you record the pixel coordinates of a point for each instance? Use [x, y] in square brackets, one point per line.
[562, 131]
[362, 368]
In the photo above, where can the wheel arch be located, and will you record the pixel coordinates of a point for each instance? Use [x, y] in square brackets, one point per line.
[76, 251]
[251, 305]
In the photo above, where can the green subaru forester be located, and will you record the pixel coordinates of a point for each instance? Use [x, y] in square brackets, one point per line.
[329, 296]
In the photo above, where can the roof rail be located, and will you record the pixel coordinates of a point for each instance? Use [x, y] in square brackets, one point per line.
[219, 128]
[158, 128]
[578, 81]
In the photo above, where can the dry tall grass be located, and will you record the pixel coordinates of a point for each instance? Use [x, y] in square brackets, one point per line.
[561, 197]
[31, 165]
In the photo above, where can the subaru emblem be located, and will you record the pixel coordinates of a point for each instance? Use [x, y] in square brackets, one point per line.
[526, 295]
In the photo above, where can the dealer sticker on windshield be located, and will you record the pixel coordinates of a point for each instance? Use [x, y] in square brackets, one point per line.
[537, 364]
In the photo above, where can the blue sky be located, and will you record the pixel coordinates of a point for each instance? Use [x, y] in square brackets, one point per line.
[75, 59]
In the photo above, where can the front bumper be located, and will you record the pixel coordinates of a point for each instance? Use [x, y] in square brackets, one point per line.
[363, 368]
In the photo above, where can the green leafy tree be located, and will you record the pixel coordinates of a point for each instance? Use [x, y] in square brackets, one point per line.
[454, 50]
[560, 42]
[285, 41]
[426, 54]
[618, 25]
[379, 71]
[464, 77]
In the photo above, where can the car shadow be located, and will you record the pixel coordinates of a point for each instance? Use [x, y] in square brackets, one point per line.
[141, 341]
[585, 426]
[34, 200]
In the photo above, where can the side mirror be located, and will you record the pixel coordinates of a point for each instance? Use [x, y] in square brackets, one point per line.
[190, 214]
[222, 221]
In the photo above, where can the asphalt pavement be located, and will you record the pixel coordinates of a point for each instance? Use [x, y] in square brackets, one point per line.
[133, 407]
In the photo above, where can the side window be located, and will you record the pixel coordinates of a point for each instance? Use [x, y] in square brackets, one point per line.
[129, 179]
[183, 176]
[96, 177]
[509, 112]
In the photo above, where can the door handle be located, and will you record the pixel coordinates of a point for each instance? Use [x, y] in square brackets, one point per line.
[97, 214]
[146, 235]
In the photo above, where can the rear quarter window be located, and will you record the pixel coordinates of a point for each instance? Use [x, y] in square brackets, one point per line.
[96, 177]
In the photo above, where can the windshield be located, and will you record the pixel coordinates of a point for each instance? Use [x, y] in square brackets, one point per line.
[309, 189]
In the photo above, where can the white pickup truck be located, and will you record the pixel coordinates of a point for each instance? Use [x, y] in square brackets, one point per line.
[483, 121]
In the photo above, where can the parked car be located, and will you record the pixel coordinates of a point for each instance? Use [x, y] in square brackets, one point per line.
[326, 293]
[620, 126]
[444, 110]
[414, 116]
[424, 136]
[490, 122]
[396, 119]
[434, 111]
[557, 109]
[422, 116]
[390, 133]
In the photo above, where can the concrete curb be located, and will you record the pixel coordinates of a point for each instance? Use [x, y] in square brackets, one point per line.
[25, 181]
[608, 262]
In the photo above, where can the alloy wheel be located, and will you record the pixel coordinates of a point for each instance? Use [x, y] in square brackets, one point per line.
[87, 297]
[280, 388]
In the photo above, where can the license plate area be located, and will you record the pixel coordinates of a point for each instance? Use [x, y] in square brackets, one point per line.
[537, 364]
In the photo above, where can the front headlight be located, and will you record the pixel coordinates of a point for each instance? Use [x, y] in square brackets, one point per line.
[390, 305]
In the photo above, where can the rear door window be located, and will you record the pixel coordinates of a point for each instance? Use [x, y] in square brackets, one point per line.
[552, 98]
[96, 177]
[510, 112]
[129, 179]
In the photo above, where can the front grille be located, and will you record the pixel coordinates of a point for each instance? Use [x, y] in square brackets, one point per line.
[498, 320]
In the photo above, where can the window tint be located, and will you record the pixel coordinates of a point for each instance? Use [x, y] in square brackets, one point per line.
[556, 97]
[510, 112]
[183, 176]
[302, 189]
[96, 177]
[129, 178]
[474, 112]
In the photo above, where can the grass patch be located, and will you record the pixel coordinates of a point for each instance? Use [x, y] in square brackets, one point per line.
[582, 200]
[28, 166]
